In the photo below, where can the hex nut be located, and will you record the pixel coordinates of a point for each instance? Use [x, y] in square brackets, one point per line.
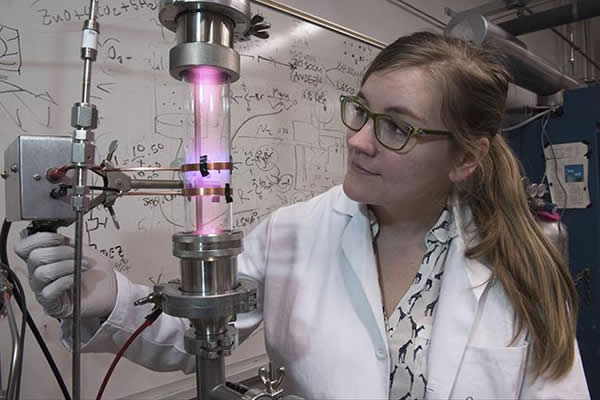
[84, 116]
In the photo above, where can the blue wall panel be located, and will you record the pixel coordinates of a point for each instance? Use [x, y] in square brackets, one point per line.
[579, 121]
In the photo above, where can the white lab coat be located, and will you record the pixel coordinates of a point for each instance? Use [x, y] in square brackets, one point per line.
[322, 308]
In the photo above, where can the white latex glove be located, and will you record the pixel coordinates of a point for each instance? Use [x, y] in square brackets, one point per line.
[50, 261]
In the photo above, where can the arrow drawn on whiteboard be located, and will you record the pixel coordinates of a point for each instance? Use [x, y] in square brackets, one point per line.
[272, 61]
[102, 86]
[251, 118]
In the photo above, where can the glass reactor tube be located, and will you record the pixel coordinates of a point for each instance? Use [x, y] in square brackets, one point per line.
[207, 139]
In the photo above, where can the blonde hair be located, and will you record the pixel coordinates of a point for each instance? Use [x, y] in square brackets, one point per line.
[536, 279]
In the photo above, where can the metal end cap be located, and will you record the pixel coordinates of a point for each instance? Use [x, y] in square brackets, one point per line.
[467, 26]
[186, 56]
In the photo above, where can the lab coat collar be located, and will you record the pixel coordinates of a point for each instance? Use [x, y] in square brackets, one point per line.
[465, 235]
[463, 285]
[362, 276]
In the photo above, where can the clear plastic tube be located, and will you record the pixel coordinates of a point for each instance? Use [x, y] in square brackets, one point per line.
[207, 138]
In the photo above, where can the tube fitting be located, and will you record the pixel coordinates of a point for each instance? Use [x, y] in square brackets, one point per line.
[205, 32]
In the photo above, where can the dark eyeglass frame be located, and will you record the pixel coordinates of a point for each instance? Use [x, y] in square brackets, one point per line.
[413, 131]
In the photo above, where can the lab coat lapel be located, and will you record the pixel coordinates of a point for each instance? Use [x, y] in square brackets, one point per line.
[361, 277]
[463, 284]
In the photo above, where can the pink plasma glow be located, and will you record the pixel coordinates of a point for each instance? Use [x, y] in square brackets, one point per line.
[208, 141]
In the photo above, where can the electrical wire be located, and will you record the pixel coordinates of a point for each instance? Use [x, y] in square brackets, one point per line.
[101, 188]
[150, 318]
[529, 120]
[24, 313]
[19, 295]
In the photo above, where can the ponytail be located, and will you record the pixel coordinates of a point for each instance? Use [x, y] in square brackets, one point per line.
[531, 270]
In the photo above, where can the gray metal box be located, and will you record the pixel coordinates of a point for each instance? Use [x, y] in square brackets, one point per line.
[26, 161]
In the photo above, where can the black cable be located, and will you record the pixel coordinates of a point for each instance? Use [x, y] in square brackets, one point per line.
[102, 175]
[4, 241]
[101, 188]
[19, 295]
[15, 281]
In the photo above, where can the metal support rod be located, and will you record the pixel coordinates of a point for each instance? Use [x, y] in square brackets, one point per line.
[144, 169]
[13, 375]
[572, 51]
[162, 193]
[88, 55]
[199, 383]
[77, 305]
[156, 184]
[323, 23]
[87, 81]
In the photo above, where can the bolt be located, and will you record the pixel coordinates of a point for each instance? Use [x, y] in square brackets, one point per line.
[4, 175]
[14, 168]
[37, 177]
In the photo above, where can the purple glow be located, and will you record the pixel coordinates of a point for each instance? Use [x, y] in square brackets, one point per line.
[211, 139]
[206, 75]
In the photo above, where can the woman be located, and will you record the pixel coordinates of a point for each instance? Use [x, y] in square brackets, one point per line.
[424, 275]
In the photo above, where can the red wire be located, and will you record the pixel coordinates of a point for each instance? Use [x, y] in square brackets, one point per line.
[6, 300]
[135, 334]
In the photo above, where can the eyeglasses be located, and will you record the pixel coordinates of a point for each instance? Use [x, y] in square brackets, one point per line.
[392, 133]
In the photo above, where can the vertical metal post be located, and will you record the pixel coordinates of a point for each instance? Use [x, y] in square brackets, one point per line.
[84, 120]
[572, 51]
[76, 389]
[199, 384]
[13, 377]
[209, 373]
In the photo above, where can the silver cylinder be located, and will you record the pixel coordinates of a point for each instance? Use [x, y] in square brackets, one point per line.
[204, 27]
[528, 70]
[207, 296]
[557, 232]
[207, 373]
[208, 277]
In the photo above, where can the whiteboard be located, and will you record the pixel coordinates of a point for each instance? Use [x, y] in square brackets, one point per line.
[288, 142]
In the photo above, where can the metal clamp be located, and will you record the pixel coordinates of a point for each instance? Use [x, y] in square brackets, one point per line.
[272, 380]
[210, 347]
[177, 303]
